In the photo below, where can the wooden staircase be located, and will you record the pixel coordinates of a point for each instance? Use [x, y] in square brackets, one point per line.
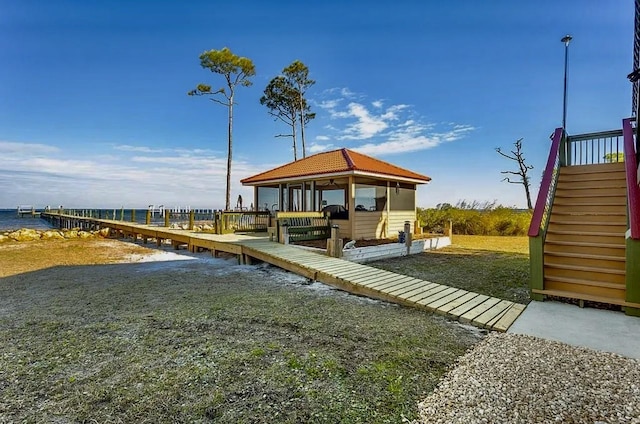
[584, 248]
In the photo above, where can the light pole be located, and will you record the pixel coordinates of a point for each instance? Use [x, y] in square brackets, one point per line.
[566, 39]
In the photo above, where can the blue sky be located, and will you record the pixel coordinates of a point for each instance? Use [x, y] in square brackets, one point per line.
[94, 111]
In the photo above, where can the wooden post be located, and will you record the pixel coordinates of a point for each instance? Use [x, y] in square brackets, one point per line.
[133, 215]
[334, 244]
[536, 264]
[122, 214]
[632, 275]
[166, 219]
[285, 233]
[147, 219]
[192, 218]
[448, 229]
[407, 235]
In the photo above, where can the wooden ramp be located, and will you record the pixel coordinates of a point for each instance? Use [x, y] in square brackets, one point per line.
[468, 307]
[477, 309]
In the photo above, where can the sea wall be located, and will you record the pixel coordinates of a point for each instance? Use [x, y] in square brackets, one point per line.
[27, 234]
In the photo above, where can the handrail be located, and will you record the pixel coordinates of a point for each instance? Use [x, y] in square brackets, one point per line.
[545, 186]
[631, 168]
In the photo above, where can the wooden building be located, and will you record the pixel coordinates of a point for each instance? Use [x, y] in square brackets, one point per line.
[366, 197]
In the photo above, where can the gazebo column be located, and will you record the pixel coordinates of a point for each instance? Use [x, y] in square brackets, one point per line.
[352, 206]
[312, 197]
[388, 209]
[280, 197]
[255, 198]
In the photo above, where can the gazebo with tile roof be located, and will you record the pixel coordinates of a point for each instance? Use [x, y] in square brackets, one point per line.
[368, 198]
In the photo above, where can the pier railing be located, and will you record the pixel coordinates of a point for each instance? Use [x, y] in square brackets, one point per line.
[206, 220]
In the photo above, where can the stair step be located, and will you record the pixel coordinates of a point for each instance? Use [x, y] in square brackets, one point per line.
[588, 244]
[595, 192]
[587, 286]
[584, 268]
[588, 227]
[591, 216]
[615, 183]
[615, 201]
[588, 297]
[590, 223]
[584, 282]
[606, 276]
[592, 169]
[567, 206]
[587, 256]
[586, 233]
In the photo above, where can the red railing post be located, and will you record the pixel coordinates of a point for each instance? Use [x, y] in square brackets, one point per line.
[545, 186]
[631, 170]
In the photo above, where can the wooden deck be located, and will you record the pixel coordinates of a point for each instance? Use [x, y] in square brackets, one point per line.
[468, 307]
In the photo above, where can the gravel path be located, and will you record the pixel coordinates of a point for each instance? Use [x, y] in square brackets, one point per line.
[510, 378]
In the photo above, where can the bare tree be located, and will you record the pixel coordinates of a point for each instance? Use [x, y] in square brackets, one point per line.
[523, 168]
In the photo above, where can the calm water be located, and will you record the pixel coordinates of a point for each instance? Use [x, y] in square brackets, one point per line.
[9, 219]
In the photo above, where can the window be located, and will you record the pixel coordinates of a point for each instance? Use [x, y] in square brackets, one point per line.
[370, 197]
[402, 198]
[268, 198]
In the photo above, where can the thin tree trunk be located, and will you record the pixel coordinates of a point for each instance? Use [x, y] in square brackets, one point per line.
[295, 141]
[304, 149]
[229, 153]
[526, 189]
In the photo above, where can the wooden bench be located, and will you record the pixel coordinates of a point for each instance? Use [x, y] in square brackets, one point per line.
[306, 228]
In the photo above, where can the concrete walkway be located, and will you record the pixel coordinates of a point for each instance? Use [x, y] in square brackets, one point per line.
[597, 329]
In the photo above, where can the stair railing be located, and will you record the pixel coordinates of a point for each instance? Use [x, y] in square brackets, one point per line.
[593, 148]
[547, 187]
[542, 211]
[631, 170]
[632, 237]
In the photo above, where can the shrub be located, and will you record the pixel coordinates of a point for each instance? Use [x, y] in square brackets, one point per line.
[473, 218]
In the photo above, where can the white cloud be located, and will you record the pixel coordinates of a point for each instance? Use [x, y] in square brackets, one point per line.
[411, 140]
[322, 138]
[8, 148]
[129, 148]
[317, 148]
[51, 177]
[395, 128]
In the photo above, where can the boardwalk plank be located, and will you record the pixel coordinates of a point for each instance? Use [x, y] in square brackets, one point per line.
[398, 280]
[409, 285]
[507, 319]
[446, 299]
[471, 314]
[421, 292]
[467, 306]
[458, 302]
[435, 296]
[498, 309]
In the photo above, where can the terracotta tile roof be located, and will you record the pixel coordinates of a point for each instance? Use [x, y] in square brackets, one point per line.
[343, 161]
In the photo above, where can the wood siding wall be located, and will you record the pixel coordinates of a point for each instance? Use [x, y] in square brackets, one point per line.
[370, 225]
[396, 221]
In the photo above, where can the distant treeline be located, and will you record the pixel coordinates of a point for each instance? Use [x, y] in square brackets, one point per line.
[476, 218]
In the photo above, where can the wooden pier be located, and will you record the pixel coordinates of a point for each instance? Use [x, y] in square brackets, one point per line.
[27, 211]
[468, 307]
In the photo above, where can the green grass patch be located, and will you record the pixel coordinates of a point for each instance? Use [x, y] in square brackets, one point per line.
[200, 342]
[491, 265]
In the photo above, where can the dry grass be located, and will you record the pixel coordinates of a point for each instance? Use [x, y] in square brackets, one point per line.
[16, 258]
[492, 265]
[504, 244]
[203, 341]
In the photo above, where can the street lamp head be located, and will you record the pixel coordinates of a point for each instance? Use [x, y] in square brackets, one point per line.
[566, 39]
